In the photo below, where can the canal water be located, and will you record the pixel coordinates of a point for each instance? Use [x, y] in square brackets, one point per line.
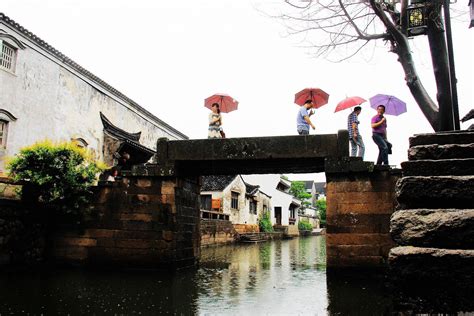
[282, 277]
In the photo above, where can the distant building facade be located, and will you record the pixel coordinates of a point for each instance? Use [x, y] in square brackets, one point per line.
[230, 197]
[46, 95]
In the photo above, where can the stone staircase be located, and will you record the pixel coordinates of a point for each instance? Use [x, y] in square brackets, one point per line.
[434, 223]
[252, 237]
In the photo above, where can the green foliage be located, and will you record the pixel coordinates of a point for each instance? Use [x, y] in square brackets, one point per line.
[60, 173]
[265, 223]
[321, 206]
[298, 190]
[304, 225]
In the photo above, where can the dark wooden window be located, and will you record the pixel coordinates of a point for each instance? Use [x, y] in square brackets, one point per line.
[3, 133]
[253, 207]
[234, 202]
[206, 202]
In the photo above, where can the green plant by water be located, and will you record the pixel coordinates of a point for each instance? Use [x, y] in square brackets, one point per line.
[304, 225]
[265, 223]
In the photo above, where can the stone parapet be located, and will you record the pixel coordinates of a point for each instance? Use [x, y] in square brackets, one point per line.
[141, 221]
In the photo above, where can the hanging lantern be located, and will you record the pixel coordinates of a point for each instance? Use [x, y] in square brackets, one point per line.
[416, 18]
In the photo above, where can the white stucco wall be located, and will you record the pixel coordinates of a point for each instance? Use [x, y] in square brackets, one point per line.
[52, 100]
[268, 184]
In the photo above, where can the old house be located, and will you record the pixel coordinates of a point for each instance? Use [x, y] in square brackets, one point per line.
[284, 211]
[45, 94]
[230, 197]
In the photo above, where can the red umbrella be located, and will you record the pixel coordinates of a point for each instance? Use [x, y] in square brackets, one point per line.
[226, 102]
[318, 96]
[348, 103]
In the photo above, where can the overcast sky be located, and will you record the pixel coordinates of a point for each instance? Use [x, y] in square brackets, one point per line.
[170, 55]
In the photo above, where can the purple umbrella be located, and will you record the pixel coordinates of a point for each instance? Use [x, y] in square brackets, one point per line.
[393, 105]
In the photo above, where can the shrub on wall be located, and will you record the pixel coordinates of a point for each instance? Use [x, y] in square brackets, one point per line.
[59, 174]
[265, 223]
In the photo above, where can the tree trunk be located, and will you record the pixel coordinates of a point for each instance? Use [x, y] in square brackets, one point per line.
[402, 49]
[439, 56]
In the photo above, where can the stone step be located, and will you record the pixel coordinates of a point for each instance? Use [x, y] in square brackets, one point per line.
[437, 152]
[443, 138]
[416, 264]
[435, 192]
[438, 228]
[445, 167]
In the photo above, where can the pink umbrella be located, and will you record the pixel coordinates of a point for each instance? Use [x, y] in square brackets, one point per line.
[348, 103]
[318, 96]
[226, 102]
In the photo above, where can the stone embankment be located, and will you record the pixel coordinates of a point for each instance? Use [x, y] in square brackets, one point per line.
[434, 225]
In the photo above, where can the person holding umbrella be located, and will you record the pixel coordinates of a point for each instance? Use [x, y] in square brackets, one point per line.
[215, 122]
[379, 135]
[302, 119]
[354, 136]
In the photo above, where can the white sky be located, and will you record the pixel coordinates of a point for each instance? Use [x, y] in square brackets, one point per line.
[170, 55]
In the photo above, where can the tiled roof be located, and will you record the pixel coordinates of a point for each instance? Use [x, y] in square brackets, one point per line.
[66, 60]
[216, 183]
[251, 189]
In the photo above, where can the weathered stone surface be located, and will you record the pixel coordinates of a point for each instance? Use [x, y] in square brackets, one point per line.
[443, 138]
[432, 265]
[445, 228]
[436, 152]
[262, 155]
[436, 192]
[446, 167]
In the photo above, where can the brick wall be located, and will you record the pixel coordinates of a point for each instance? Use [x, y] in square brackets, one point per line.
[140, 221]
[359, 206]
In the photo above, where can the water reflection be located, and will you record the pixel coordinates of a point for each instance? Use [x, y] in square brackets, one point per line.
[283, 277]
[279, 277]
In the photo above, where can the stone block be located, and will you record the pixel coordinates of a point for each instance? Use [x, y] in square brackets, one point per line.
[371, 207]
[436, 192]
[352, 251]
[442, 138]
[432, 265]
[99, 233]
[136, 217]
[358, 223]
[446, 167]
[359, 239]
[437, 152]
[137, 225]
[437, 228]
[355, 262]
[78, 241]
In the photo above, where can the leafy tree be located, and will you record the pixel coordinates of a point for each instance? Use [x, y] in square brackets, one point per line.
[60, 174]
[336, 26]
[298, 190]
[321, 206]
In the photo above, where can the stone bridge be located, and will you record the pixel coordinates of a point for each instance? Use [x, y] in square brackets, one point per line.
[152, 217]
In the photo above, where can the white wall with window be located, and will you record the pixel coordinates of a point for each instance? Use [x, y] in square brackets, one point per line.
[54, 98]
[7, 129]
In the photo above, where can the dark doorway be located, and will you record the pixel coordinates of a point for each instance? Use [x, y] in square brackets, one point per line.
[278, 215]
